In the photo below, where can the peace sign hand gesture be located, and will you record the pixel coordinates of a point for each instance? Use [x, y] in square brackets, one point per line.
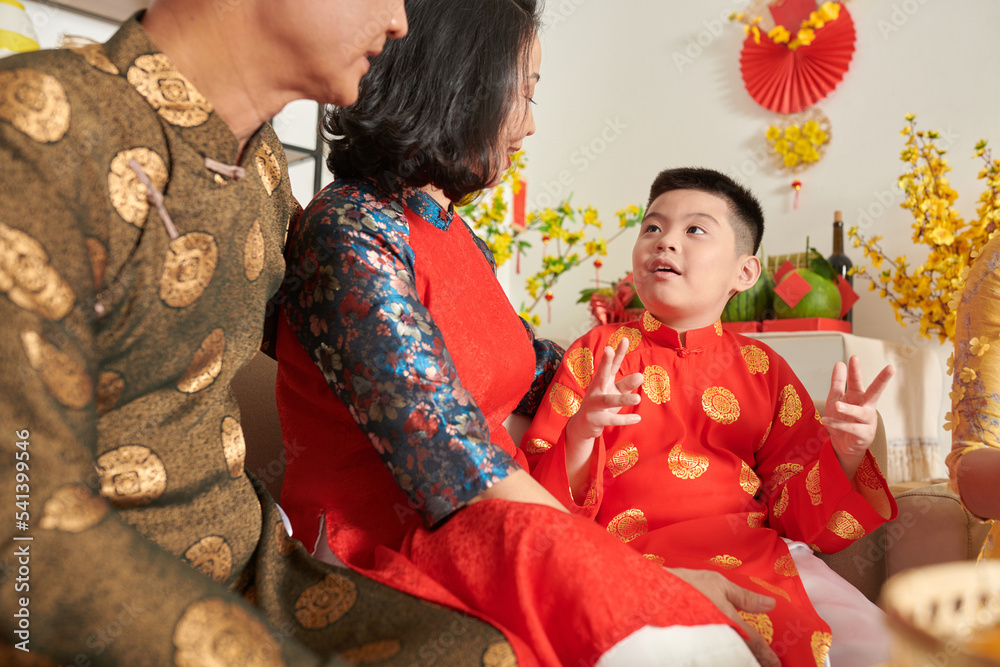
[850, 416]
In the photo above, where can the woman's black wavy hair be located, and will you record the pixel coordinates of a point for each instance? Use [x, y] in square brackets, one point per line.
[431, 108]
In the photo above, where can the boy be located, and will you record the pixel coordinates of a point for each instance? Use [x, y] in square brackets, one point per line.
[720, 456]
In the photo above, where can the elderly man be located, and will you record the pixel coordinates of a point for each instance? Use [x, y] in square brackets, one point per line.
[143, 205]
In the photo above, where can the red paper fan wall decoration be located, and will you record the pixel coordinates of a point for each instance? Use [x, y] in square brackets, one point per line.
[790, 80]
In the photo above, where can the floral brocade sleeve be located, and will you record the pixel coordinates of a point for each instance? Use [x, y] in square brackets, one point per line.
[350, 298]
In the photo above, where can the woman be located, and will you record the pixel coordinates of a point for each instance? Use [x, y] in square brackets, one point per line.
[974, 462]
[398, 350]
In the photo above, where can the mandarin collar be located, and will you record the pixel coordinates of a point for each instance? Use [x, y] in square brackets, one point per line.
[174, 98]
[428, 208]
[696, 340]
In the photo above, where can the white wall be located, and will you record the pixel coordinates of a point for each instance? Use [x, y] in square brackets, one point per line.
[611, 63]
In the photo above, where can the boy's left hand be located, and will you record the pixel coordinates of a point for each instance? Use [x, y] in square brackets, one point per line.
[850, 415]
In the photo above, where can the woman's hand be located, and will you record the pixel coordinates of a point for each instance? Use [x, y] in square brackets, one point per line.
[731, 599]
[850, 415]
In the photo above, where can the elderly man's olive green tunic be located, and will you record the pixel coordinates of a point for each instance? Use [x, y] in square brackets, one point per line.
[123, 318]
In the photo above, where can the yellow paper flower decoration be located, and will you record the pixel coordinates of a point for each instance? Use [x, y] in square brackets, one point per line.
[800, 140]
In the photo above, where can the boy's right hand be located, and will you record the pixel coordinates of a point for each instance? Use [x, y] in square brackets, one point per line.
[604, 399]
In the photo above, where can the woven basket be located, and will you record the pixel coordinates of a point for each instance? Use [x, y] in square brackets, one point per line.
[934, 612]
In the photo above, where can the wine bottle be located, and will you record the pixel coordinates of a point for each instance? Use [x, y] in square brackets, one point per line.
[841, 262]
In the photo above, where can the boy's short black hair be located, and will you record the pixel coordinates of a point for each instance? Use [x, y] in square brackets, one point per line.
[747, 215]
[432, 106]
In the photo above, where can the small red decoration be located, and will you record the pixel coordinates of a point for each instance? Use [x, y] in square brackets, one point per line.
[782, 270]
[796, 185]
[597, 273]
[519, 203]
[548, 304]
[848, 297]
[792, 289]
[790, 80]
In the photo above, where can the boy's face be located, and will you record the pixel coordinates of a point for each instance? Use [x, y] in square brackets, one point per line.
[685, 262]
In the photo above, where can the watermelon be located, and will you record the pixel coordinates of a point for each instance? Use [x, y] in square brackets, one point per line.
[752, 304]
[823, 300]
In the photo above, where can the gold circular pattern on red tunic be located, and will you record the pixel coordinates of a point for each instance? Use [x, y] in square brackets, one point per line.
[64, 376]
[749, 481]
[372, 653]
[253, 253]
[234, 446]
[785, 566]
[98, 59]
[110, 386]
[720, 405]
[623, 459]
[818, 416]
[537, 446]
[650, 323]
[218, 633]
[629, 525]
[685, 465]
[131, 476]
[782, 473]
[844, 525]
[168, 91]
[756, 359]
[782, 505]
[633, 335]
[869, 474]
[35, 103]
[763, 440]
[28, 277]
[821, 646]
[813, 485]
[325, 602]
[72, 509]
[212, 557]
[756, 519]
[206, 364]
[791, 406]
[656, 384]
[499, 655]
[718, 327]
[659, 560]
[761, 623]
[771, 587]
[564, 400]
[98, 260]
[268, 167]
[188, 269]
[580, 364]
[128, 194]
[725, 561]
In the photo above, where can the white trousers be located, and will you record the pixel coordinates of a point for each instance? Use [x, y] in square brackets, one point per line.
[680, 646]
[860, 634]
